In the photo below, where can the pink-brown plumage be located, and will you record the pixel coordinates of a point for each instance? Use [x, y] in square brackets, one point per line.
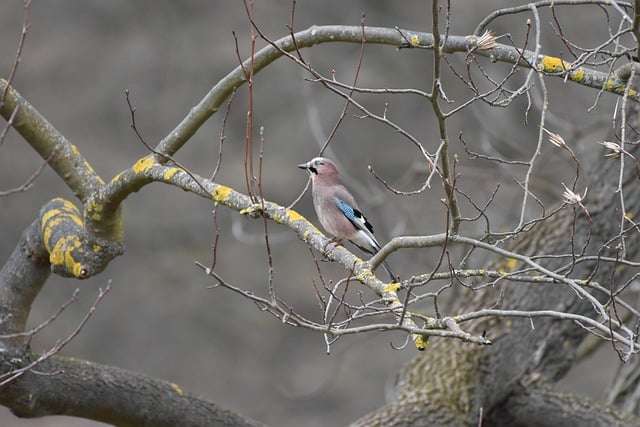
[336, 208]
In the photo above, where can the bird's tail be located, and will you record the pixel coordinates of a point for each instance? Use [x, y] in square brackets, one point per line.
[372, 248]
[393, 277]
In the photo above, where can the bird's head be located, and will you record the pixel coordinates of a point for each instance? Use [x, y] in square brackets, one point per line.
[319, 166]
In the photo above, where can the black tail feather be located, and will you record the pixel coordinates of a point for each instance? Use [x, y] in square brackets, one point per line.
[393, 277]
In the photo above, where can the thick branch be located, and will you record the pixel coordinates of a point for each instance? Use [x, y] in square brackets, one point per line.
[21, 279]
[72, 251]
[146, 171]
[77, 388]
[56, 241]
[64, 157]
[454, 383]
[210, 104]
[543, 406]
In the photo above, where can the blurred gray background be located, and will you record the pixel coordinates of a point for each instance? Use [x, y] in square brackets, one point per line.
[160, 318]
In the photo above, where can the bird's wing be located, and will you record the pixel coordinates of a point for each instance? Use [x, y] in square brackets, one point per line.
[366, 241]
[353, 215]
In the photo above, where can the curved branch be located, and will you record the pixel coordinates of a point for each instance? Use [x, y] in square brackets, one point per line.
[314, 35]
[542, 405]
[72, 251]
[103, 214]
[56, 241]
[66, 386]
[551, 3]
[577, 285]
[64, 157]
[446, 327]
[21, 278]
[146, 171]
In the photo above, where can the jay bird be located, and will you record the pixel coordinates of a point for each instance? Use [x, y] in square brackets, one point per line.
[336, 209]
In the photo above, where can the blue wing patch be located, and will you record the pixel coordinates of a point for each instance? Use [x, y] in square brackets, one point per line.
[353, 215]
[345, 208]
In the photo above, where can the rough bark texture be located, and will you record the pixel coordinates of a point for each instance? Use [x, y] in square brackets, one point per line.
[454, 383]
[110, 395]
[28, 263]
[543, 406]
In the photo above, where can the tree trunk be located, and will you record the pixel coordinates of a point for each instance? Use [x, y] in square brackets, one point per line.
[456, 383]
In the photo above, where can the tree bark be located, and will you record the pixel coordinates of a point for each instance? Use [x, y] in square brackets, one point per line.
[455, 383]
[110, 395]
[543, 406]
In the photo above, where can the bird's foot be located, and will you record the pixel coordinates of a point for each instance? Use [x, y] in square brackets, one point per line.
[333, 241]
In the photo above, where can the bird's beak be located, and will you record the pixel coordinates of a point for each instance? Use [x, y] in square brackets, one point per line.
[303, 165]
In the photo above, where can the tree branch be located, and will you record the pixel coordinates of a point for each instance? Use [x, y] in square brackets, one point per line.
[66, 386]
[314, 35]
[542, 405]
[65, 159]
